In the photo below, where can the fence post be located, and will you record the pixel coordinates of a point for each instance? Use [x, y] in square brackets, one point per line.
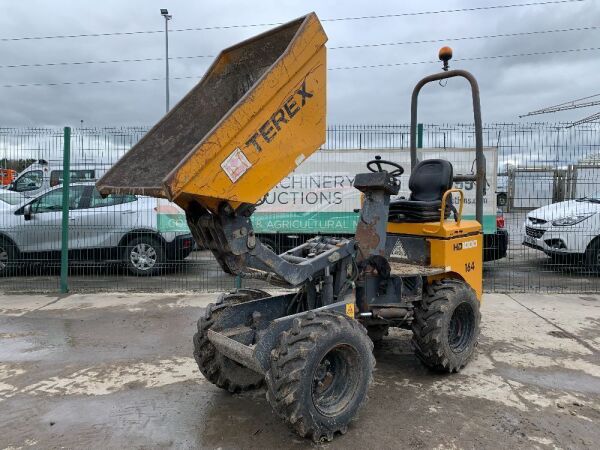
[64, 252]
[419, 135]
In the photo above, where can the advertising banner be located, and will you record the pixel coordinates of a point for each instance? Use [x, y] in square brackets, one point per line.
[170, 217]
[318, 196]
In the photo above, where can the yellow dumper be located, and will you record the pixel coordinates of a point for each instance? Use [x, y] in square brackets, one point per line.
[258, 112]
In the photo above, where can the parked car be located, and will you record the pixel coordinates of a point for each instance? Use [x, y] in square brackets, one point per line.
[9, 198]
[124, 228]
[495, 244]
[568, 231]
[42, 175]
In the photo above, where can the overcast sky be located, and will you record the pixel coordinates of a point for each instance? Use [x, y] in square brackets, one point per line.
[509, 86]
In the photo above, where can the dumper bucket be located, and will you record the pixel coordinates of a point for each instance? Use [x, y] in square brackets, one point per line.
[257, 113]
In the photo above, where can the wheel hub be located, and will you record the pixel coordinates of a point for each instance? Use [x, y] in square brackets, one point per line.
[3, 258]
[460, 329]
[323, 377]
[333, 385]
[143, 256]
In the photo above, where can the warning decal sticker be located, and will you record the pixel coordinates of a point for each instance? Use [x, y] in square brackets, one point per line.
[236, 165]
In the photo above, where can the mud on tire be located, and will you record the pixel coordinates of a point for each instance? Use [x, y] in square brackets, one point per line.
[320, 373]
[446, 325]
[217, 368]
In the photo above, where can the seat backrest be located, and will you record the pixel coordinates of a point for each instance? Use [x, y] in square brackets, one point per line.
[430, 179]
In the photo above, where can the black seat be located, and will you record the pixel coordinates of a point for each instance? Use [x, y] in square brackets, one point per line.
[427, 183]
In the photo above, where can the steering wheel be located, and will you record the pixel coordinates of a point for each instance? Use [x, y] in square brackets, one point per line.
[375, 165]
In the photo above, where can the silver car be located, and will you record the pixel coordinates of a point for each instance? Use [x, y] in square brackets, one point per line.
[144, 233]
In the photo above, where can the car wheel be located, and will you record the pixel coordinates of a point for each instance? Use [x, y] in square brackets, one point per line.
[7, 257]
[592, 255]
[144, 256]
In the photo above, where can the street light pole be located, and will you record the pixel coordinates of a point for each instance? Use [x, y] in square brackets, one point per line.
[167, 16]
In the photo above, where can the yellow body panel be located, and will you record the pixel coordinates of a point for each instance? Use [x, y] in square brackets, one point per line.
[462, 256]
[457, 247]
[449, 229]
[252, 129]
[257, 113]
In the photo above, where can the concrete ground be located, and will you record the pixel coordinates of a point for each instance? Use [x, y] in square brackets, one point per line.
[115, 371]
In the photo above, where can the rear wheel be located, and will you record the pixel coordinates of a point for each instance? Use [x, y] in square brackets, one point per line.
[320, 373]
[217, 368]
[446, 325]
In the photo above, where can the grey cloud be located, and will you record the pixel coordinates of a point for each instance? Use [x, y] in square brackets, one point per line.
[509, 86]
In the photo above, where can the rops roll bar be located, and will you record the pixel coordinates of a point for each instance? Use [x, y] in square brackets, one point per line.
[479, 177]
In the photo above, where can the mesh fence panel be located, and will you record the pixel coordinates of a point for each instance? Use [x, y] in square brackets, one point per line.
[541, 208]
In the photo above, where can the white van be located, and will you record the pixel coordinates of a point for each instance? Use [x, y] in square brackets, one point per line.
[42, 175]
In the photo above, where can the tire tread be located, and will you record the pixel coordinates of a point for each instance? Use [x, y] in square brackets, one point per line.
[205, 352]
[288, 362]
[427, 325]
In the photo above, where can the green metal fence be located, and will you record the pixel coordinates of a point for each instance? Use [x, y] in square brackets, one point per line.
[142, 244]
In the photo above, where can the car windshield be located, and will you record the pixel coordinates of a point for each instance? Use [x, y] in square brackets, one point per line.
[10, 197]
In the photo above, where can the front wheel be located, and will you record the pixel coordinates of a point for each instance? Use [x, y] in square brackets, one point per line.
[592, 255]
[320, 373]
[446, 325]
[7, 257]
[144, 256]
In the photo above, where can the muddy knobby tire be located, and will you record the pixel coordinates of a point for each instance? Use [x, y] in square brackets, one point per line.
[446, 325]
[320, 373]
[217, 368]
